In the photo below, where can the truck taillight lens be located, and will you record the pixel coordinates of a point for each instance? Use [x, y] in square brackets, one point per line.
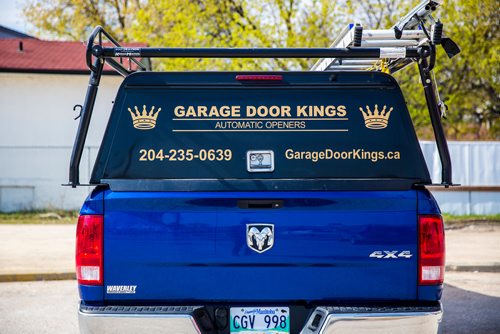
[89, 237]
[431, 249]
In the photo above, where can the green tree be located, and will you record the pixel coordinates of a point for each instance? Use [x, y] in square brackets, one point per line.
[469, 83]
[201, 23]
[75, 19]
[237, 23]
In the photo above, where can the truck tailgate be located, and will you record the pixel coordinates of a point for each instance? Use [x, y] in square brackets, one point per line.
[188, 247]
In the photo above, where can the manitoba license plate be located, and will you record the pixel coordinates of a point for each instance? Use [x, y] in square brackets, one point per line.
[262, 320]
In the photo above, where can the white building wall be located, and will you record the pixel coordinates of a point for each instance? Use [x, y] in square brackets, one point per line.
[474, 164]
[37, 131]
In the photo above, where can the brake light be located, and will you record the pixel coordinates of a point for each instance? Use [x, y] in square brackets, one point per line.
[431, 249]
[259, 77]
[89, 243]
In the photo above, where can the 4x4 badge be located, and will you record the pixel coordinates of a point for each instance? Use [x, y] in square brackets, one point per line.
[260, 237]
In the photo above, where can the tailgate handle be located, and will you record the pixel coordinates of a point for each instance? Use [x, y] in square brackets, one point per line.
[260, 204]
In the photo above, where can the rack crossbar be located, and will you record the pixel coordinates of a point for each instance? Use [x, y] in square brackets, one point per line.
[358, 52]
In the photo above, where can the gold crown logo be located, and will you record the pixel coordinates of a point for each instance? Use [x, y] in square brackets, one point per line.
[376, 119]
[145, 120]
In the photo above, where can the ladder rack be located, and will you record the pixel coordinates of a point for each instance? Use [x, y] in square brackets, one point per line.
[384, 50]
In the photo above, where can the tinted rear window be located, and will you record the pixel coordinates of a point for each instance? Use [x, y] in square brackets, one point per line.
[308, 126]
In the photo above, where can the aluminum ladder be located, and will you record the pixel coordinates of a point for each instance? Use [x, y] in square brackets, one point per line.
[408, 32]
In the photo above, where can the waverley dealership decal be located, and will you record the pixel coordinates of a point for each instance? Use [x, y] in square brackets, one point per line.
[121, 289]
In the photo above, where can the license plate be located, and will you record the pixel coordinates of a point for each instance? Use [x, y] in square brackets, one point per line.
[261, 320]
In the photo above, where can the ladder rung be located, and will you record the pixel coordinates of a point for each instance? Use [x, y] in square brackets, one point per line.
[389, 34]
[388, 43]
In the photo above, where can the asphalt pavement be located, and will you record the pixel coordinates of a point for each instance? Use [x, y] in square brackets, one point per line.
[41, 307]
[30, 249]
[471, 303]
[472, 247]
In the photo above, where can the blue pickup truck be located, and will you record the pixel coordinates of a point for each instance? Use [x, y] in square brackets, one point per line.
[259, 202]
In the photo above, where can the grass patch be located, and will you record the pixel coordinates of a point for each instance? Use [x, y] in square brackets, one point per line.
[39, 217]
[471, 219]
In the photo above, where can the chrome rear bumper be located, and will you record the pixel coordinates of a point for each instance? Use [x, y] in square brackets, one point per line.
[136, 319]
[323, 320]
[374, 320]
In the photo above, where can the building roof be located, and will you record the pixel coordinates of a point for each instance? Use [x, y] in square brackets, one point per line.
[38, 56]
[11, 33]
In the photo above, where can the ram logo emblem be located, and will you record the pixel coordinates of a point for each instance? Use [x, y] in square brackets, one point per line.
[260, 237]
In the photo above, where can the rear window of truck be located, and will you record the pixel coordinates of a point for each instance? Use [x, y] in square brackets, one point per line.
[266, 131]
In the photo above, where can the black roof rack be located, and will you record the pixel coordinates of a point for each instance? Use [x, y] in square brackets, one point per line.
[423, 52]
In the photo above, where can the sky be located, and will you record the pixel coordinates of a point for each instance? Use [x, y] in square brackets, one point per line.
[11, 16]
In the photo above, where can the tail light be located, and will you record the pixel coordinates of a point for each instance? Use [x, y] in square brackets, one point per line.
[431, 249]
[89, 237]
